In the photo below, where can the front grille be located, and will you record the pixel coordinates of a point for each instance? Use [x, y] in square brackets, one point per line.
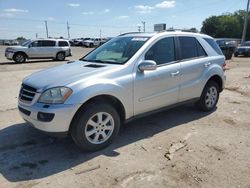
[27, 93]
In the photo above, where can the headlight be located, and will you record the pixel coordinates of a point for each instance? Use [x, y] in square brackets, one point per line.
[57, 95]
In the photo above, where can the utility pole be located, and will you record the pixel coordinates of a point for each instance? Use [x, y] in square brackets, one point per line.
[245, 23]
[139, 28]
[100, 33]
[143, 23]
[36, 35]
[46, 26]
[68, 30]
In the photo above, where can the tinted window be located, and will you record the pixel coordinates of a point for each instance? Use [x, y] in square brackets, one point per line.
[201, 51]
[48, 43]
[188, 47]
[214, 45]
[162, 51]
[37, 43]
[63, 43]
[191, 48]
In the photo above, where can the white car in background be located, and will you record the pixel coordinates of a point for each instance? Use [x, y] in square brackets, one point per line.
[56, 49]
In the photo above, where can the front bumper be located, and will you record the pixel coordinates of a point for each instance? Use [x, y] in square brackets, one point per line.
[9, 55]
[58, 125]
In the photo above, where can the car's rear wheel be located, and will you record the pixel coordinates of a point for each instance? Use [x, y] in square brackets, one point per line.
[209, 97]
[19, 57]
[60, 56]
[95, 126]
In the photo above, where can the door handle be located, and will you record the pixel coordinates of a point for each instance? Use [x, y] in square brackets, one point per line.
[173, 74]
[207, 64]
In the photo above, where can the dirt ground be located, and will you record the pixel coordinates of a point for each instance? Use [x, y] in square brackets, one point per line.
[181, 147]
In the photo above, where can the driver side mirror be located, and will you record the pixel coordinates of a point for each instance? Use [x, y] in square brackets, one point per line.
[147, 65]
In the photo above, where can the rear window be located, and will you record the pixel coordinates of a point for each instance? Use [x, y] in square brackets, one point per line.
[63, 43]
[191, 48]
[214, 45]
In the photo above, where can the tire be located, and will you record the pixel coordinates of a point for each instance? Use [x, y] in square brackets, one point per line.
[19, 57]
[235, 54]
[209, 97]
[87, 129]
[91, 45]
[60, 56]
[228, 56]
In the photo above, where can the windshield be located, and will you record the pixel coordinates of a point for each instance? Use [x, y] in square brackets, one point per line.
[245, 44]
[26, 43]
[116, 51]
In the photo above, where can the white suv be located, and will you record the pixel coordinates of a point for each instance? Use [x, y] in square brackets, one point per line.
[127, 77]
[56, 49]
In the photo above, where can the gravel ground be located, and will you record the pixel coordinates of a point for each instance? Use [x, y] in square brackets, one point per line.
[181, 147]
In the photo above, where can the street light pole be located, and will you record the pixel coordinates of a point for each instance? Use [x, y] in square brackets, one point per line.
[143, 23]
[245, 23]
[46, 26]
[68, 30]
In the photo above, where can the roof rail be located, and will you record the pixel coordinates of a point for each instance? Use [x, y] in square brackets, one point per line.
[129, 33]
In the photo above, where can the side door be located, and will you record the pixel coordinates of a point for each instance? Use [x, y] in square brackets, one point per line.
[158, 88]
[49, 48]
[34, 50]
[194, 61]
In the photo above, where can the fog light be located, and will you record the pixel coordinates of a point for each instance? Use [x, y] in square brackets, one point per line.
[45, 117]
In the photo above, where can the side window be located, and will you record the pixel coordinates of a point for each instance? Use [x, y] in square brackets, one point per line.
[200, 49]
[214, 45]
[163, 51]
[188, 47]
[63, 43]
[37, 43]
[48, 43]
[191, 48]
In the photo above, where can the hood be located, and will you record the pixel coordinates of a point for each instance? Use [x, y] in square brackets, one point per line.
[66, 74]
[17, 47]
[88, 40]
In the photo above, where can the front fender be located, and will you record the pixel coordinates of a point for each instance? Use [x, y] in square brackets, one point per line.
[103, 87]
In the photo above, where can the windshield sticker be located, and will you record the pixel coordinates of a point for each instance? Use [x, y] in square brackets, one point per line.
[139, 39]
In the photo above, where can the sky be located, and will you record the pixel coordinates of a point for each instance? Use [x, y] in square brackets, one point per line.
[105, 18]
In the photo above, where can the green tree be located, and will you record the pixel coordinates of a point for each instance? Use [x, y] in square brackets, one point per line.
[226, 26]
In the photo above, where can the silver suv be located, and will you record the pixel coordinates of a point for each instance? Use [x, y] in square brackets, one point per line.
[56, 49]
[124, 78]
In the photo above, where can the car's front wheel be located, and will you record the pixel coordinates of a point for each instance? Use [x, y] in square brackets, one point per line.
[19, 57]
[95, 126]
[209, 97]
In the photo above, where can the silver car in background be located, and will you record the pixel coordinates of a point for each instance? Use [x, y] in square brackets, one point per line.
[127, 77]
[56, 49]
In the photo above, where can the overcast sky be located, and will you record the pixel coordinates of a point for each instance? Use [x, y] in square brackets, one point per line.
[89, 18]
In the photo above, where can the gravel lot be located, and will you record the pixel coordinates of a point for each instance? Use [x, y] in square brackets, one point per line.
[181, 147]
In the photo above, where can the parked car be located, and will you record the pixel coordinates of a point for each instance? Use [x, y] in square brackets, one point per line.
[127, 77]
[56, 49]
[93, 42]
[6, 42]
[243, 49]
[227, 46]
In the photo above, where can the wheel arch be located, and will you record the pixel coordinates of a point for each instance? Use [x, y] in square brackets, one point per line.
[218, 80]
[116, 103]
[22, 52]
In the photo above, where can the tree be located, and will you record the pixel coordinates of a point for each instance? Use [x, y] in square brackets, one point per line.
[226, 25]
[20, 38]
